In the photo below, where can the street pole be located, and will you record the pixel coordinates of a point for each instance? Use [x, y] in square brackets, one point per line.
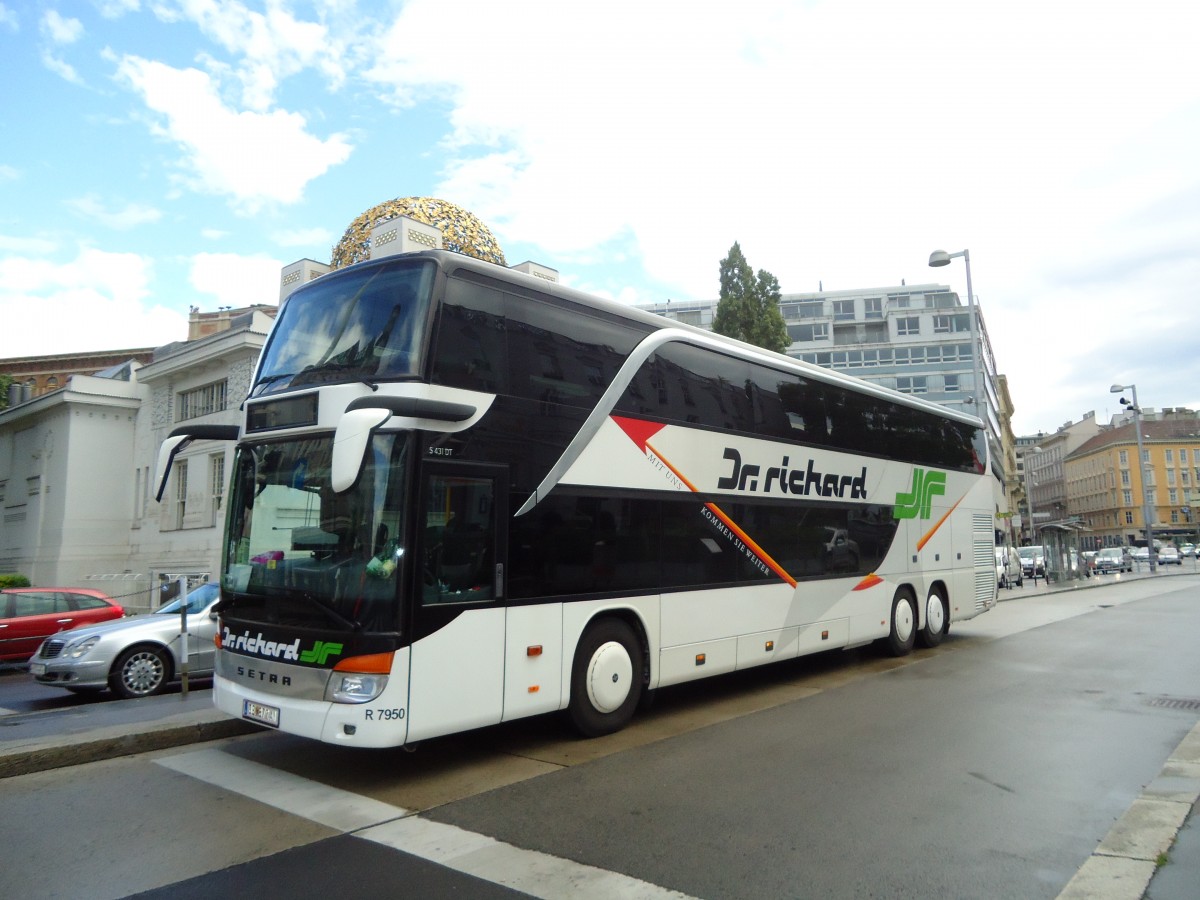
[1147, 512]
[942, 258]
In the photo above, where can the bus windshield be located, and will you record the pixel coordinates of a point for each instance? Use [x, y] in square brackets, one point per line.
[300, 554]
[362, 324]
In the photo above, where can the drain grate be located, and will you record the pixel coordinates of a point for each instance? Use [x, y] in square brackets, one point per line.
[1174, 703]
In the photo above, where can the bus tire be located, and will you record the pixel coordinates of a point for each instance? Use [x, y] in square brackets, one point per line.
[606, 678]
[937, 619]
[902, 635]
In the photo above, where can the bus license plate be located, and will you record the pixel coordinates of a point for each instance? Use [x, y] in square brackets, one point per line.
[261, 713]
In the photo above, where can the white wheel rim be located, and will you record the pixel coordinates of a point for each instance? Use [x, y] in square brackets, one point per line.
[904, 621]
[610, 677]
[935, 614]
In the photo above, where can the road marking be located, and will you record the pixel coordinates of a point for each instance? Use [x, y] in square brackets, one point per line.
[7, 712]
[535, 873]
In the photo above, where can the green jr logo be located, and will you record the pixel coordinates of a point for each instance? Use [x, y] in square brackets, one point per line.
[320, 652]
[919, 501]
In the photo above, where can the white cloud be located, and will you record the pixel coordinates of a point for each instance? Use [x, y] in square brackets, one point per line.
[97, 300]
[9, 173]
[61, 68]
[27, 245]
[253, 158]
[61, 30]
[270, 45]
[235, 280]
[114, 9]
[129, 216]
[9, 19]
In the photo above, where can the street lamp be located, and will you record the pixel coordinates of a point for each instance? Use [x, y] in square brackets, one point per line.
[1147, 513]
[940, 258]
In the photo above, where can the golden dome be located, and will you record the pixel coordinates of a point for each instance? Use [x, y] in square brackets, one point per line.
[461, 231]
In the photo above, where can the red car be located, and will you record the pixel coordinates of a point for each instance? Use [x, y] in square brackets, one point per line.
[30, 615]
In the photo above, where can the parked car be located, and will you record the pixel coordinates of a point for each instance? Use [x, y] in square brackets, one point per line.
[1187, 549]
[1140, 555]
[29, 615]
[135, 657]
[1169, 556]
[1033, 561]
[1008, 567]
[1113, 559]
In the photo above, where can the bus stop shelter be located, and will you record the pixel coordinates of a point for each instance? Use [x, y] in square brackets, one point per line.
[1064, 561]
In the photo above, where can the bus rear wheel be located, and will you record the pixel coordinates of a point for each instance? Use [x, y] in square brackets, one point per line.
[937, 620]
[606, 678]
[903, 633]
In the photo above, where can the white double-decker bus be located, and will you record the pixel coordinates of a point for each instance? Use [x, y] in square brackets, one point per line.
[463, 495]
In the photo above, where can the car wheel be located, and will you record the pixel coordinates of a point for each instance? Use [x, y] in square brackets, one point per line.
[903, 632]
[606, 678]
[140, 672]
[937, 620]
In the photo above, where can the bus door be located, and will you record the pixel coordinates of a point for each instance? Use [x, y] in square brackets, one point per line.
[456, 676]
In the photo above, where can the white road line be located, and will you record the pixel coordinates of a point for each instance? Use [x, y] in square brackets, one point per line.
[7, 712]
[318, 803]
[535, 873]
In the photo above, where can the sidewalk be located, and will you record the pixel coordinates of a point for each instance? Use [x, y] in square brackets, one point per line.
[1152, 852]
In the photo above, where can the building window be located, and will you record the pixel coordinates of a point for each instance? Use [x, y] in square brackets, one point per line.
[843, 310]
[1174, 516]
[1183, 456]
[181, 488]
[951, 384]
[1125, 476]
[1169, 456]
[911, 384]
[1128, 517]
[201, 401]
[873, 308]
[691, 317]
[803, 333]
[946, 324]
[216, 467]
[908, 325]
[1124, 457]
[1127, 498]
[813, 310]
[1170, 477]
[1172, 496]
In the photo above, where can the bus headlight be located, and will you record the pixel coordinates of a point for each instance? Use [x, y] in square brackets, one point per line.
[353, 687]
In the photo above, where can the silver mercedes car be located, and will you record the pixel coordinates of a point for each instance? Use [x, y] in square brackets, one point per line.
[136, 656]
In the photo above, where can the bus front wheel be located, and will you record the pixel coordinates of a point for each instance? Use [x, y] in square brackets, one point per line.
[937, 620]
[606, 678]
[903, 632]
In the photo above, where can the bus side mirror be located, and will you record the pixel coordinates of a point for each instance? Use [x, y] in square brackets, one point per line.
[350, 440]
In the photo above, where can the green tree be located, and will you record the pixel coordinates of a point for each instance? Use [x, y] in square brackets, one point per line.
[749, 305]
[5, 381]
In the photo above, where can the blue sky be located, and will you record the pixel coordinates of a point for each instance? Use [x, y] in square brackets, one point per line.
[160, 154]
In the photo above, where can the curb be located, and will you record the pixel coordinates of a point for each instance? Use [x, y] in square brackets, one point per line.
[120, 740]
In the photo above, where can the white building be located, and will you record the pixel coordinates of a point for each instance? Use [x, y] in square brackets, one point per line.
[77, 468]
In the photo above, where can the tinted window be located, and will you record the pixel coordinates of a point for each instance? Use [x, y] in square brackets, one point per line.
[697, 386]
[508, 339]
[578, 545]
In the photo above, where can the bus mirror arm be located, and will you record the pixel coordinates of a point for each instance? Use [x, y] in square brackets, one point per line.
[177, 440]
[350, 440]
[366, 414]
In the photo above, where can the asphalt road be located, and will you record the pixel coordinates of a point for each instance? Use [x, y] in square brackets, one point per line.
[990, 767]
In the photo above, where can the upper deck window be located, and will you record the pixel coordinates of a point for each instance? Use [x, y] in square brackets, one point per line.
[365, 323]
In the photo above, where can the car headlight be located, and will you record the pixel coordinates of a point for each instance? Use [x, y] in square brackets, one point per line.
[353, 687]
[76, 649]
